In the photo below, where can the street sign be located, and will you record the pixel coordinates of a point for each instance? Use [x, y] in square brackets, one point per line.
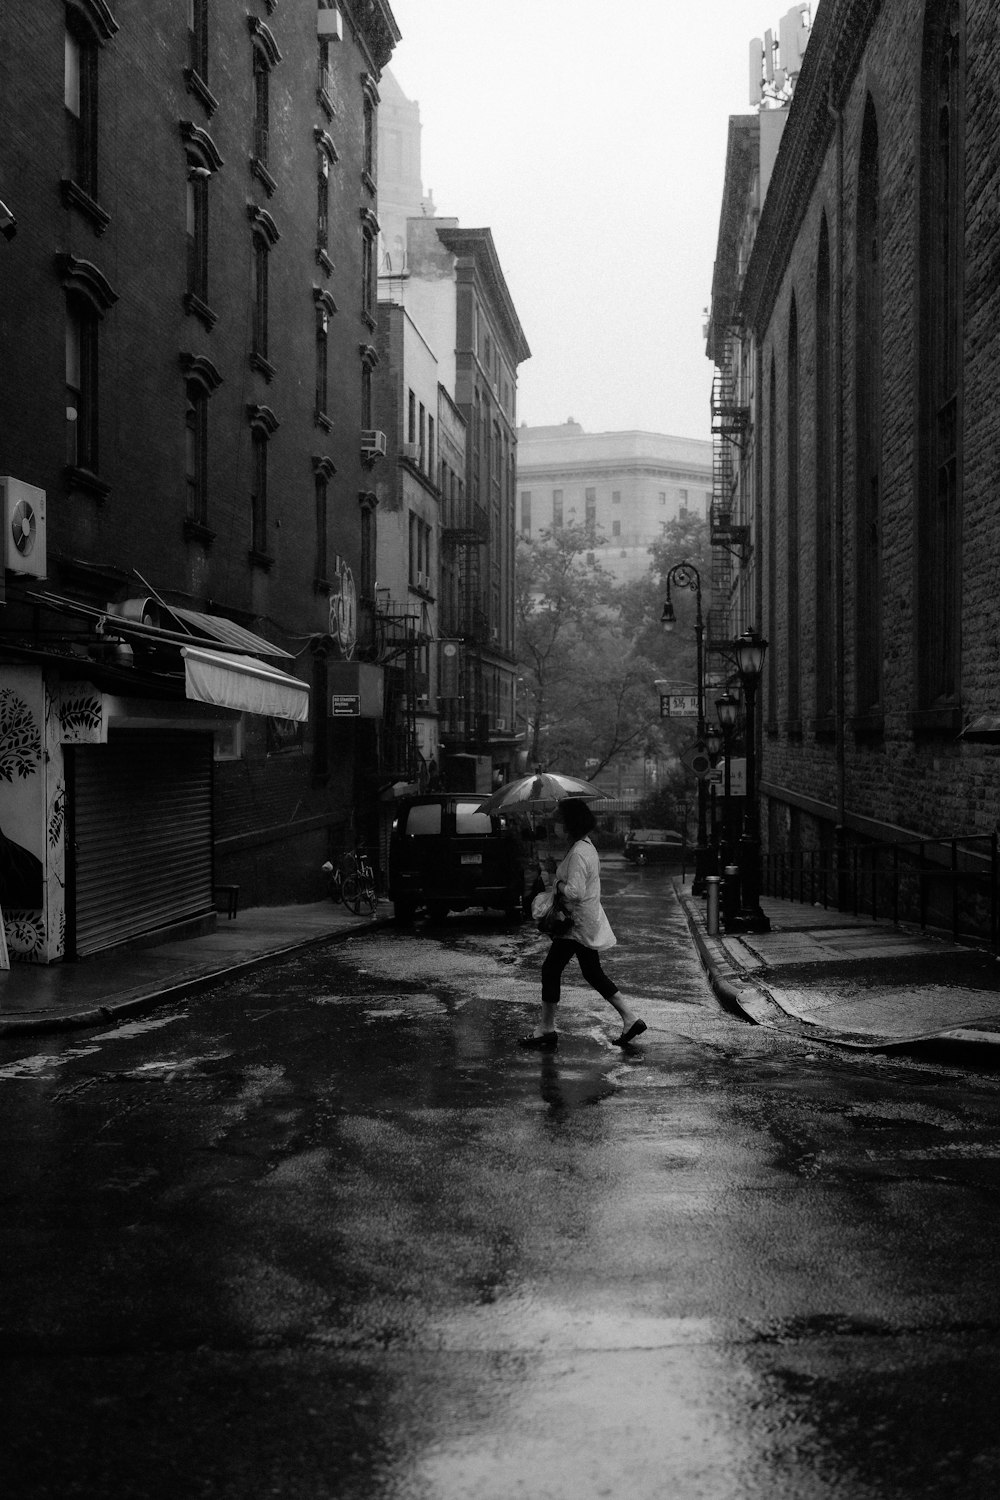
[678, 705]
[346, 706]
[697, 759]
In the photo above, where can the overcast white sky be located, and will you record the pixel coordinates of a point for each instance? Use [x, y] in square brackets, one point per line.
[590, 137]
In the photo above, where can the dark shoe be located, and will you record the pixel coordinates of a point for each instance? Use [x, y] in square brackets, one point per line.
[547, 1042]
[636, 1029]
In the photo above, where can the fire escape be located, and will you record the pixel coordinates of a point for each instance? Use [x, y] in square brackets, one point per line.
[465, 533]
[730, 540]
[401, 631]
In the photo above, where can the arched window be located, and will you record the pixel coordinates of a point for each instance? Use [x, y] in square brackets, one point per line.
[824, 612]
[772, 533]
[201, 379]
[868, 427]
[88, 298]
[263, 424]
[940, 309]
[793, 624]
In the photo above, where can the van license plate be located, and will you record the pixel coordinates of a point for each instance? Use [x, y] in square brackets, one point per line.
[472, 859]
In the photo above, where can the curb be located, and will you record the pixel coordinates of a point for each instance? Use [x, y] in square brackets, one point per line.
[754, 1003]
[141, 1004]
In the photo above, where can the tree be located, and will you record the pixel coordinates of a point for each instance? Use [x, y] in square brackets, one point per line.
[587, 691]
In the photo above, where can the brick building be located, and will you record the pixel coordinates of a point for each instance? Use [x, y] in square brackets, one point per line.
[854, 333]
[188, 312]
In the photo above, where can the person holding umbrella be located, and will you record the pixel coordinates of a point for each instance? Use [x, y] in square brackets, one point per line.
[577, 880]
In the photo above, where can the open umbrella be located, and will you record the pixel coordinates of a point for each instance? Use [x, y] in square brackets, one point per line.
[539, 792]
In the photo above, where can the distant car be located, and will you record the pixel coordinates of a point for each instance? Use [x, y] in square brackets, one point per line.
[446, 854]
[654, 846]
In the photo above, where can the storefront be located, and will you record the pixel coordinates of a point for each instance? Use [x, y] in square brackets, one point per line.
[106, 771]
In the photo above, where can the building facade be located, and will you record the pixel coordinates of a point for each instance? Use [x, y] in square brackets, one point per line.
[187, 450]
[864, 324]
[624, 485]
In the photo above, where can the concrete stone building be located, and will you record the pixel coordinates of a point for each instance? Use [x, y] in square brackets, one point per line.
[445, 287]
[856, 325]
[188, 315]
[626, 485]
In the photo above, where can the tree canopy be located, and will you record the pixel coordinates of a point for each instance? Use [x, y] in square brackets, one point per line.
[590, 650]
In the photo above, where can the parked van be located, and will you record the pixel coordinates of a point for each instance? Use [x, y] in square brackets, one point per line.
[446, 854]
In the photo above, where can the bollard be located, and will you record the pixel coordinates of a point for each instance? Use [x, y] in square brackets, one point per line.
[712, 883]
[731, 894]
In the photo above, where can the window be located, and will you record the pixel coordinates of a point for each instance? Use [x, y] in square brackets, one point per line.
[772, 534]
[322, 361]
[616, 528]
[258, 492]
[825, 642]
[196, 451]
[369, 540]
[411, 418]
[941, 235]
[198, 37]
[368, 275]
[258, 333]
[470, 822]
[868, 405]
[430, 446]
[322, 543]
[197, 234]
[792, 514]
[322, 201]
[616, 497]
[367, 413]
[663, 497]
[424, 820]
[526, 512]
[261, 105]
[369, 138]
[557, 510]
[81, 385]
[590, 508]
[325, 79]
[80, 97]
[263, 423]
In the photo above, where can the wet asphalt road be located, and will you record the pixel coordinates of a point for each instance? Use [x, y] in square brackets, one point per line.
[325, 1232]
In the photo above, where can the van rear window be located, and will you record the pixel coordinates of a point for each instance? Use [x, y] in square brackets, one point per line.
[470, 821]
[424, 819]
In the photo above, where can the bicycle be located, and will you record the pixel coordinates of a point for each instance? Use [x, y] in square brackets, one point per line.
[352, 881]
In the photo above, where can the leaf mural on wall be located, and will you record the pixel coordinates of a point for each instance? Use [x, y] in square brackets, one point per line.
[79, 718]
[20, 738]
[57, 819]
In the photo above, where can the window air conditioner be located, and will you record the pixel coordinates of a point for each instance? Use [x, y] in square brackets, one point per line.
[23, 527]
[412, 452]
[330, 23]
[502, 725]
[372, 444]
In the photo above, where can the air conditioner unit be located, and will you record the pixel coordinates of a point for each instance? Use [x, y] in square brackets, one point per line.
[330, 23]
[412, 452]
[23, 527]
[372, 444]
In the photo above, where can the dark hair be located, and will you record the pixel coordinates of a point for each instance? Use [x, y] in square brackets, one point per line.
[577, 817]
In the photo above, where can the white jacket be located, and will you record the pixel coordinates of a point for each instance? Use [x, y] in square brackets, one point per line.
[579, 875]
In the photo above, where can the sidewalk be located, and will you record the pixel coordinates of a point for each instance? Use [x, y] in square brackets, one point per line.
[853, 982]
[60, 997]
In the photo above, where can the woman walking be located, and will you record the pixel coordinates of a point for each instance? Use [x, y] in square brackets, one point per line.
[577, 880]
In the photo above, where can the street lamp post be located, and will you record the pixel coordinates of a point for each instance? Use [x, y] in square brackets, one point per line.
[685, 575]
[714, 741]
[749, 650]
[727, 707]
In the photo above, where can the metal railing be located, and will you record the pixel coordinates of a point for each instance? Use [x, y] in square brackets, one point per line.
[939, 884]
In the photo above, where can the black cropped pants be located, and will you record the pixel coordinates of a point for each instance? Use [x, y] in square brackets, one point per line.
[559, 954]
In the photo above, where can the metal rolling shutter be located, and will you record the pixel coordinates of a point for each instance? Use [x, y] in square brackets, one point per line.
[142, 833]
